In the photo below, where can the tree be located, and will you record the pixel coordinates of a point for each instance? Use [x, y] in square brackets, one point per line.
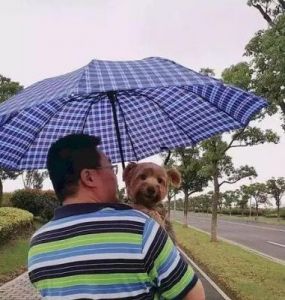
[269, 9]
[7, 89]
[34, 179]
[242, 201]
[266, 51]
[239, 75]
[121, 195]
[276, 188]
[217, 163]
[258, 192]
[230, 197]
[189, 163]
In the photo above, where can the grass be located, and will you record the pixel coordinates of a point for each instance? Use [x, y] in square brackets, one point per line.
[243, 275]
[13, 256]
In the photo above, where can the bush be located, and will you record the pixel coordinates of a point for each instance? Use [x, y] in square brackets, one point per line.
[6, 199]
[14, 221]
[39, 203]
[49, 203]
[27, 199]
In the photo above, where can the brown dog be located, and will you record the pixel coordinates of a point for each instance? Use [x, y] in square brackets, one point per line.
[147, 185]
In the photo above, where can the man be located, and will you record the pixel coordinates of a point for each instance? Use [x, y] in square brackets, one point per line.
[97, 248]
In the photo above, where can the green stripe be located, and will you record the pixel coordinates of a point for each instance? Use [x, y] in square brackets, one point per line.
[162, 257]
[180, 285]
[96, 279]
[88, 239]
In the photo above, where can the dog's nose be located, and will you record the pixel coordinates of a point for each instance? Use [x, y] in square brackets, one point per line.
[150, 190]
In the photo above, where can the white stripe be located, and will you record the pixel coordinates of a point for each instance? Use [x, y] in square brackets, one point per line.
[150, 238]
[173, 266]
[92, 219]
[100, 296]
[86, 257]
[280, 245]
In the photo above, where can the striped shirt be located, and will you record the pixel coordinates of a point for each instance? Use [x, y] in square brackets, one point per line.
[106, 251]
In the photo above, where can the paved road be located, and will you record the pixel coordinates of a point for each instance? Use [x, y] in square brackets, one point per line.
[268, 239]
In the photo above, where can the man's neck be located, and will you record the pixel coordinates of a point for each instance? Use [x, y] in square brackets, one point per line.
[86, 197]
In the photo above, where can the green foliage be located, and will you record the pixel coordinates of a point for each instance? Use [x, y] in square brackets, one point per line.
[8, 88]
[266, 51]
[230, 198]
[238, 75]
[6, 199]
[49, 203]
[276, 189]
[27, 199]
[13, 221]
[39, 203]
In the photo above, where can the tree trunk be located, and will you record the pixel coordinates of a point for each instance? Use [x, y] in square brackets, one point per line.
[264, 14]
[168, 207]
[1, 192]
[278, 212]
[214, 209]
[185, 208]
[256, 209]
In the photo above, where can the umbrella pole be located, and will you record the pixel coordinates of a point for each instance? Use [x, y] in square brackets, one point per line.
[113, 98]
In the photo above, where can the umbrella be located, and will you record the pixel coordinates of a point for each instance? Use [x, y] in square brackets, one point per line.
[138, 108]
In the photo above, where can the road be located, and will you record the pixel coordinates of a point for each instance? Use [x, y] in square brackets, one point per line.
[268, 239]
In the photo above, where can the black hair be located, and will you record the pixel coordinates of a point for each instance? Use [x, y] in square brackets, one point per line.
[67, 157]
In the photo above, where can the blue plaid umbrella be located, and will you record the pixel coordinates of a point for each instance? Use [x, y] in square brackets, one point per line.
[138, 108]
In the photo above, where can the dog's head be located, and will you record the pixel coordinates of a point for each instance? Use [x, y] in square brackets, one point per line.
[147, 183]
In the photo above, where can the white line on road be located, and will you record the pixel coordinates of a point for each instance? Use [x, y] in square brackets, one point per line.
[280, 245]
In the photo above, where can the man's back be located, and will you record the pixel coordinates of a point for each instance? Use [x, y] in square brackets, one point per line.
[106, 251]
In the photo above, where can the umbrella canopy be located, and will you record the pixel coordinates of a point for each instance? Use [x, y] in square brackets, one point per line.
[153, 104]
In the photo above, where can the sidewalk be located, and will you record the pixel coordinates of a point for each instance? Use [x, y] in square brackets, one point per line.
[19, 288]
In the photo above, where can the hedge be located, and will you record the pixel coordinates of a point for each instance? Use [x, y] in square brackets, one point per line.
[39, 203]
[14, 221]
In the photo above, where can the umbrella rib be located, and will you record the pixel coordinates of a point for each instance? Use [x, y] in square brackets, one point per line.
[170, 118]
[87, 112]
[127, 129]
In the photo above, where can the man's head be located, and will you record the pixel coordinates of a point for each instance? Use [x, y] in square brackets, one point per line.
[77, 167]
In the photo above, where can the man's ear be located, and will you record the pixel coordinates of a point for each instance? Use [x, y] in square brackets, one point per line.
[88, 177]
[174, 177]
[127, 173]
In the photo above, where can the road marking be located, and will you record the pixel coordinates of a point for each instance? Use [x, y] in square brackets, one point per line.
[280, 245]
[277, 260]
[212, 283]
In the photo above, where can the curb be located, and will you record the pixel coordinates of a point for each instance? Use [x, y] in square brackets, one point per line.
[212, 283]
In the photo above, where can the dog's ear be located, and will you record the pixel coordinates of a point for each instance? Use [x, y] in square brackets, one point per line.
[128, 171]
[174, 177]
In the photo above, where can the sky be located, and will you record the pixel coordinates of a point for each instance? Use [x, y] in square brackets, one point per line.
[45, 38]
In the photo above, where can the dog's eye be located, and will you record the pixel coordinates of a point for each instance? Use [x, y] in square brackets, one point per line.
[159, 180]
[143, 177]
